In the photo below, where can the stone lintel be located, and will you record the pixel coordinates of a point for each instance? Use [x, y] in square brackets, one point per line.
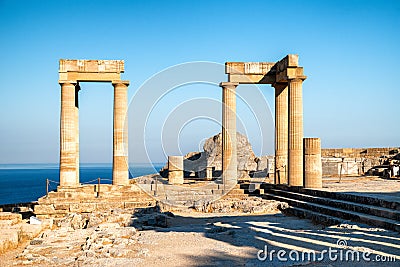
[265, 72]
[251, 79]
[290, 74]
[91, 70]
[248, 67]
[290, 61]
[89, 77]
[84, 65]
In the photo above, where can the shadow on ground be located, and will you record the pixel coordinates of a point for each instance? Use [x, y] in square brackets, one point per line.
[241, 240]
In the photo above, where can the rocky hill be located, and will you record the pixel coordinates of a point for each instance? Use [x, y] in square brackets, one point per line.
[195, 163]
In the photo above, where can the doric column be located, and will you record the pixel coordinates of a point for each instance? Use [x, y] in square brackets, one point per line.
[120, 134]
[312, 163]
[68, 135]
[281, 133]
[229, 146]
[175, 169]
[77, 88]
[295, 159]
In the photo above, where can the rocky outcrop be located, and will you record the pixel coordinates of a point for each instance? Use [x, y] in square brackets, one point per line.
[195, 163]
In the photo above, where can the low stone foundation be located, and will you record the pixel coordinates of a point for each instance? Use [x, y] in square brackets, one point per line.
[89, 198]
[141, 193]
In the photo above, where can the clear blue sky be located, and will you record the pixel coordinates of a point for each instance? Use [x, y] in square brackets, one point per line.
[349, 50]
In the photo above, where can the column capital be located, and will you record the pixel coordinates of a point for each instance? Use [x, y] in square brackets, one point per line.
[228, 84]
[115, 82]
[61, 82]
[297, 79]
[280, 86]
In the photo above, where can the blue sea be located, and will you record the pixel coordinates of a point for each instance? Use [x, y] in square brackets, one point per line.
[27, 182]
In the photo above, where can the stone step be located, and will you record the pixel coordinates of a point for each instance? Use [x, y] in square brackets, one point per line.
[94, 200]
[250, 186]
[235, 191]
[64, 208]
[341, 213]
[183, 192]
[351, 197]
[347, 205]
[237, 196]
[316, 217]
[190, 197]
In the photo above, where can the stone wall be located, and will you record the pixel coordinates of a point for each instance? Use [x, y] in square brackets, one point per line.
[87, 198]
[354, 161]
[359, 152]
[335, 161]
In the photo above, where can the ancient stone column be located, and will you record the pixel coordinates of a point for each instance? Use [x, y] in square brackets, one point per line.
[77, 88]
[120, 134]
[229, 146]
[295, 159]
[281, 133]
[69, 166]
[175, 169]
[312, 163]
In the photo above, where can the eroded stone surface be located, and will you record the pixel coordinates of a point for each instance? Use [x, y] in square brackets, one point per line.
[252, 205]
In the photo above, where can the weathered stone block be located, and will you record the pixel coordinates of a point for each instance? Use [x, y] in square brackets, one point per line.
[109, 205]
[29, 231]
[44, 209]
[11, 216]
[61, 206]
[9, 239]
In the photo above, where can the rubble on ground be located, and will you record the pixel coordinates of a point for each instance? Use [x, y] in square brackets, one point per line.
[253, 205]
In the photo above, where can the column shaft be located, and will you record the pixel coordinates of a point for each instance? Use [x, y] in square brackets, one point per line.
[281, 133]
[229, 146]
[120, 134]
[312, 163]
[295, 159]
[175, 170]
[68, 136]
[77, 88]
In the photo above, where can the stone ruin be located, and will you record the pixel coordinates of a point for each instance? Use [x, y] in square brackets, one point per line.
[248, 165]
[361, 161]
[335, 162]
